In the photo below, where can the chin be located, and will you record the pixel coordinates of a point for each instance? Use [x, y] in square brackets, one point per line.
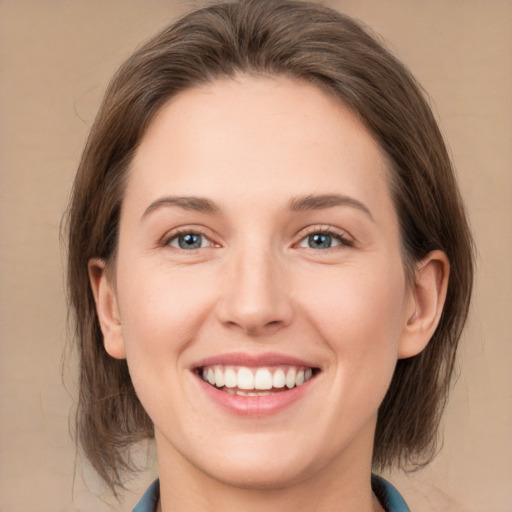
[268, 475]
[263, 464]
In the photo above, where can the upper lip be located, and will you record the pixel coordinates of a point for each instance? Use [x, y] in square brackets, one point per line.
[253, 360]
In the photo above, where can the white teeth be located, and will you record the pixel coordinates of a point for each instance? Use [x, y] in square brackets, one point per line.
[219, 377]
[230, 380]
[263, 379]
[248, 380]
[290, 378]
[279, 379]
[245, 378]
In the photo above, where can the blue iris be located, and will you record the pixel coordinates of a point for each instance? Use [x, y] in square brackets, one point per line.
[319, 241]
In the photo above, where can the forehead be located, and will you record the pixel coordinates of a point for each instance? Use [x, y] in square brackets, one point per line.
[257, 135]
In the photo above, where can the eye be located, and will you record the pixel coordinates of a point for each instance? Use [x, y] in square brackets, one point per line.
[323, 240]
[189, 241]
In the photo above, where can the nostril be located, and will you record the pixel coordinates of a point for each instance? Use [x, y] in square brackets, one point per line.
[253, 299]
[255, 325]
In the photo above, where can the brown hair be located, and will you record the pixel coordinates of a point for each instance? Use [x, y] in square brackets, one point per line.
[306, 42]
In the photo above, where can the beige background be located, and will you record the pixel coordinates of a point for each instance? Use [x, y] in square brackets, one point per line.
[55, 59]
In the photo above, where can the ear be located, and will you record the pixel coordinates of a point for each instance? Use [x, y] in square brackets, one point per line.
[107, 309]
[426, 299]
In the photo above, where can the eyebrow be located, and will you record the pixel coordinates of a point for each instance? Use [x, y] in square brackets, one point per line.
[319, 202]
[297, 204]
[197, 204]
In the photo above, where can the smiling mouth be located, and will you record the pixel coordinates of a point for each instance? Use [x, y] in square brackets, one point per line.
[255, 381]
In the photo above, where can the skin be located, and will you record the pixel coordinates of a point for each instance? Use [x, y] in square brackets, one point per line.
[251, 146]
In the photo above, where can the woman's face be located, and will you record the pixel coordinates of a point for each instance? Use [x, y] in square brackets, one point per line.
[259, 247]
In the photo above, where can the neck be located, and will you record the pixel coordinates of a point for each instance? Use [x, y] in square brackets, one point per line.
[263, 501]
[344, 486]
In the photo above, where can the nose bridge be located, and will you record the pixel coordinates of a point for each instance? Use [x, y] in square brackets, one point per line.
[255, 296]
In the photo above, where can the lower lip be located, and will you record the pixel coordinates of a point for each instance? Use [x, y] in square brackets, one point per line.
[264, 405]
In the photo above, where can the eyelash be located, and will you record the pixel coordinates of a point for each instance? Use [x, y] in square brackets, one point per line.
[343, 240]
[175, 235]
[324, 230]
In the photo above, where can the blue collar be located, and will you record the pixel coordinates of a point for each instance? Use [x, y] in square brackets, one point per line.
[388, 496]
[149, 501]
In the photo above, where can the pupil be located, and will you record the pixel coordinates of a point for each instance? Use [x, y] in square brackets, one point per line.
[190, 241]
[320, 241]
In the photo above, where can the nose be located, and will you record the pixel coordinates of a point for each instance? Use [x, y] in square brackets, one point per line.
[256, 294]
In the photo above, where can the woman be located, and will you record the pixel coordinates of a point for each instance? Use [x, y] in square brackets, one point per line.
[269, 265]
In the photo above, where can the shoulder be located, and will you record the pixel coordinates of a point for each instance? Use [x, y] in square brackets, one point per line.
[388, 496]
[149, 500]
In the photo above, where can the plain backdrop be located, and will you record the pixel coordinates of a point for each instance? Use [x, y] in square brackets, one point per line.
[56, 57]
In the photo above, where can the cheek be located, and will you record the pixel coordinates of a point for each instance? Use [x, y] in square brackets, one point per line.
[161, 315]
[161, 312]
[358, 311]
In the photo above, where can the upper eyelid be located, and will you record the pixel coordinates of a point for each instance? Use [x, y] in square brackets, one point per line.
[330, 230]
[184, 230]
